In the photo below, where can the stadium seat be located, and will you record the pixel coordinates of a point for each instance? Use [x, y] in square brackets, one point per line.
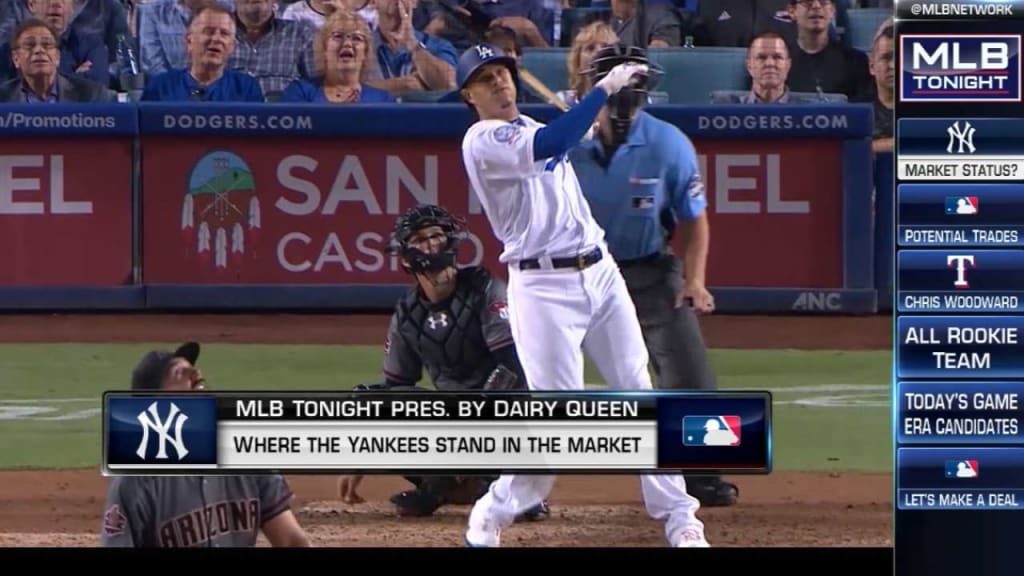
[691, 74]
[422, 96]
[862, 23]
[548, 65]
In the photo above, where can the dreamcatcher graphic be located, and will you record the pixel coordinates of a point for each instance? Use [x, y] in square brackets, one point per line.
[220, 214]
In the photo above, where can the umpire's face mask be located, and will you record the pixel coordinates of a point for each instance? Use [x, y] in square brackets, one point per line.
[621, 107]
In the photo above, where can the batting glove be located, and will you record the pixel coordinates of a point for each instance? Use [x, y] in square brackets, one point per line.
[619, 76]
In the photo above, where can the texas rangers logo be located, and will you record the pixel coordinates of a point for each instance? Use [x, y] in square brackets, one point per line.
[220, 214]
[439, 320]
[960, 262]
[960, 68]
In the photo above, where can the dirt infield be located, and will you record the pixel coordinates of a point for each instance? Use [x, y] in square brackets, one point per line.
[64, 508]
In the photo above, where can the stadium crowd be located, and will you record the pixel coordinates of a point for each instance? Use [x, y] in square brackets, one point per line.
[347, 51]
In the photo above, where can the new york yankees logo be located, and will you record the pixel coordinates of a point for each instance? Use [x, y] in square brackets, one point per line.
[150, 420]
[439, 319]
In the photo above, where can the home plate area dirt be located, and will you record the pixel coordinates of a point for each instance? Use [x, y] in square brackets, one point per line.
[65, 507]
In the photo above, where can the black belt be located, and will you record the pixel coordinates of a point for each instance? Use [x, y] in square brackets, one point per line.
[650, 258]
[579, 262]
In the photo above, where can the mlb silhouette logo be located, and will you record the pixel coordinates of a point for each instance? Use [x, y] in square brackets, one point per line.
[962, 205]
[711, 430]
[961, 468]
[171, 432]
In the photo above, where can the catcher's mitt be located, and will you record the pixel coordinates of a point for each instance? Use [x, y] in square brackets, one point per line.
[502, 379]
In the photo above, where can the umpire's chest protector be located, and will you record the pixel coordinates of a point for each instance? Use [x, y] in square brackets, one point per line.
[448, 336]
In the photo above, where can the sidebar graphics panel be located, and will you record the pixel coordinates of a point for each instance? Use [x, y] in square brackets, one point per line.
[959, 310]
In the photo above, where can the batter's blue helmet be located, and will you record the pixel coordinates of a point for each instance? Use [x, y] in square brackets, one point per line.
[476, 56]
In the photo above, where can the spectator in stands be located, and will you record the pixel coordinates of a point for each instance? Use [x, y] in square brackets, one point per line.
[35, 55]
[80, 55]
[209, 42]
[316, 12]
[273, 50]
[312, 12]
[883, 68]
[103, 19]
[588, 41]
[768, 63]
[507, 40]
[410, 60]
[735, 23]
[464, 23]
[343, 58]
[655, 26]
[163, 25]
[822, 64]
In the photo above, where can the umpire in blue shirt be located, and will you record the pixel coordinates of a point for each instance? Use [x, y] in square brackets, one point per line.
[640, 177]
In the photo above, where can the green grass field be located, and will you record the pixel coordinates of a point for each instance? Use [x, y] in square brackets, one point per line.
[832, 409]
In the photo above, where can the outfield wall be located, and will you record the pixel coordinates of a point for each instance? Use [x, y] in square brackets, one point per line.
[275, 207]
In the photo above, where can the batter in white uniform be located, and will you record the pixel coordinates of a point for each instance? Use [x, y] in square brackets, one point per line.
[565, 293]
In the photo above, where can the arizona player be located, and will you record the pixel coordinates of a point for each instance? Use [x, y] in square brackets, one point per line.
[452, 322]
[564, 292]
[194, 511]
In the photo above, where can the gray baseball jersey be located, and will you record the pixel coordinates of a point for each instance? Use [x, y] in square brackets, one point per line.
[454, 340]
[189, 511]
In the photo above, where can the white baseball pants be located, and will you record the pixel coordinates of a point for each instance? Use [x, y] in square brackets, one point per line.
[555, 315]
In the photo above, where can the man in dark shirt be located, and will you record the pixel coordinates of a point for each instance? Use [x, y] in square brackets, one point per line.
[737, 22]
[35, 54]
[81, 54]
[448, 19]
[820, 63]
[883, 68]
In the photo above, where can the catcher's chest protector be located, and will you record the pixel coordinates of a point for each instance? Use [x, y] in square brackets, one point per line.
[449, 336]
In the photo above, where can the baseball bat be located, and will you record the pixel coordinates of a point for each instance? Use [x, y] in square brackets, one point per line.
[543, 90]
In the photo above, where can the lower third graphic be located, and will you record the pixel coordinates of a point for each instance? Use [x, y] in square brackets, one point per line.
[161, 432]
[711, 430]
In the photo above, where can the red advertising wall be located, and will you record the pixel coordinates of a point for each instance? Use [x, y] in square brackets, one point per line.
[66, 211]
[301, 211]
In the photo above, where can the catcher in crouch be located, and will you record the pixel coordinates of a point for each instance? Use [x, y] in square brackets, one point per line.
[453, 323]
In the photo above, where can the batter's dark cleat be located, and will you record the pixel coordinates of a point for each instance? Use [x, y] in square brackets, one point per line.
[714, 494]
[536, 514]
[416, 503]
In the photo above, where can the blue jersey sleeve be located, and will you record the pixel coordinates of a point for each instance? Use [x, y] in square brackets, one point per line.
[686, 184]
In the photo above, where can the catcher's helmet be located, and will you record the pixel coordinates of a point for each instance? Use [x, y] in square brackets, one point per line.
[476, 56]
[416, 261]
[614, 54]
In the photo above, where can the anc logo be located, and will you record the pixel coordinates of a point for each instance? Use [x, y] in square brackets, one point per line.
[220, 214]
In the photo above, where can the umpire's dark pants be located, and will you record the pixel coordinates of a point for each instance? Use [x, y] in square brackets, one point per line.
[674, 341]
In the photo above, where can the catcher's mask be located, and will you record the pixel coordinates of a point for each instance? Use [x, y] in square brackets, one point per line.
[623, 103]
[414, 260]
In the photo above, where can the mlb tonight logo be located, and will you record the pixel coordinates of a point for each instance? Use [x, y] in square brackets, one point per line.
[154, 432]
[711, 430]
[960, 68]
